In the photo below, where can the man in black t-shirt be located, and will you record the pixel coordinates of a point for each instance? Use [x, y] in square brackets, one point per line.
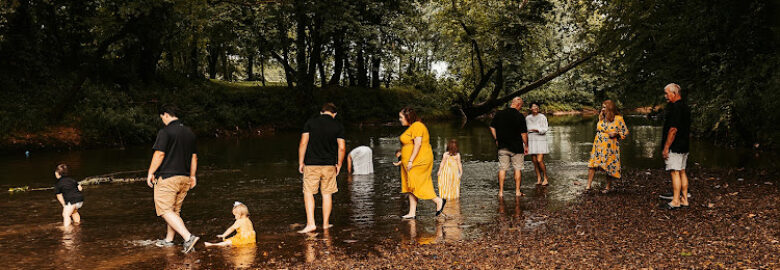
[320, 154]
[172, 174]
[675, 140]
[511, 136]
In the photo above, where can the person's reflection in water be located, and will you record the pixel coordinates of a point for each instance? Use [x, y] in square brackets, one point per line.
[311, 245]
[70, 241]
[518, 209]
[70, 237]
[361, 188]
[541, 192]
[450, 227]
[242, 256]
[424, 237]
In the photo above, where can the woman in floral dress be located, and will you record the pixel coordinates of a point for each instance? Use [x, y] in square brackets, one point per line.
[605, 155]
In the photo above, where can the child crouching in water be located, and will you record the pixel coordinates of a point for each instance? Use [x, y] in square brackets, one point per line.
[245, 233]
[68, 192]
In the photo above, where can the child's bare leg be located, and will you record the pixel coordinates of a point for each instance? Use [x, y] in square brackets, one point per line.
[220, 244]
[67, 211]
[75, 216]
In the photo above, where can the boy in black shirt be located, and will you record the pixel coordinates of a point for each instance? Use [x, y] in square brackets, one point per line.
[69, 194]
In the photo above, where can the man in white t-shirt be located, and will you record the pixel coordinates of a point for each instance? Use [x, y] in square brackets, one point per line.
[359, 161]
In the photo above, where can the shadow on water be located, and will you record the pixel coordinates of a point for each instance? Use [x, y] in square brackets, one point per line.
[119, 224]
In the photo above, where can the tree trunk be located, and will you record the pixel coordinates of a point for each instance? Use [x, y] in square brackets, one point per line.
[321, 70]
[302, 69]
[262, 69]
[226, 74]
[350, 72]
[471, 110]
[375, 64]
[213, 59]
[338, 58]
[193, 61]
[362, 75]
[250, 63]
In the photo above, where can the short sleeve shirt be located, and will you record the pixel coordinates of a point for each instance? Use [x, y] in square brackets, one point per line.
[177, 141]
[362, 162]
[677, 115]
[510, 125]
[324, 131]
[69, 189]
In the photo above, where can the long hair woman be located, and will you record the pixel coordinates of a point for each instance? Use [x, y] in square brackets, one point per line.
[605, 155]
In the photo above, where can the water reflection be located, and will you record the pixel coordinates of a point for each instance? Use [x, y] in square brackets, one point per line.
[361, 190]
[449, 227]
[240, 257]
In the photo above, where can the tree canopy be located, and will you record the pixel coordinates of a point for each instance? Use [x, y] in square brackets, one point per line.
[723, 53]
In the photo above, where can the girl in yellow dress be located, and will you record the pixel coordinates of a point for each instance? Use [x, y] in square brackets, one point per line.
[417, 163]
[450, 171]
[245, 233]
[605, 155]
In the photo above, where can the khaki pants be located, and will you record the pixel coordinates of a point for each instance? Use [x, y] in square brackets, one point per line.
[169, 193]
[506, 157]
[319, 177]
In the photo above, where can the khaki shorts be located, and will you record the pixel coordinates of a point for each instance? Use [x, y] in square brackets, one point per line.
[169, 194]
[676, 161]
[319, 177]
[505, 157]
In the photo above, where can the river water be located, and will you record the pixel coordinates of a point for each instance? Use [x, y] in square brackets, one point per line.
[119, 221]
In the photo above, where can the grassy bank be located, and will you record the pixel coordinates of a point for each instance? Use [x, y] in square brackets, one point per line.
[110, 115]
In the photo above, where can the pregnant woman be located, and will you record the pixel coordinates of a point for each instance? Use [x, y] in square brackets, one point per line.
[417, 163]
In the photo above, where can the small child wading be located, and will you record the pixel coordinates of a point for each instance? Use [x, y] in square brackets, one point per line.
[450, 171]
[69, 195]
[245, 233]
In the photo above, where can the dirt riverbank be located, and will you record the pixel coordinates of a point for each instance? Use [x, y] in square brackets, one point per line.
[732, 223]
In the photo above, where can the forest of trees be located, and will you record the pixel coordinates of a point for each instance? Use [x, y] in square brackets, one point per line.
[59, 59]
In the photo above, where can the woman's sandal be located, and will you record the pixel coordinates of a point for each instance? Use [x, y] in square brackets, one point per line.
[443, 202]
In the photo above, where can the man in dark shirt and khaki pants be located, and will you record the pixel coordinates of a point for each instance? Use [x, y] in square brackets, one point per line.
[172, 174]
[676, 136]
[511, 135]
[320, 154]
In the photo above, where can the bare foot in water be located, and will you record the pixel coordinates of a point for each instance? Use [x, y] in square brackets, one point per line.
[408, 216]
[500, 194]
[539, 181]
[308, 229]
[545, 182]
[327, 226]
[519, 194]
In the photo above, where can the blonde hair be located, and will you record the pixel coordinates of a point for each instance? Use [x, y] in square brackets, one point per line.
[241, 210]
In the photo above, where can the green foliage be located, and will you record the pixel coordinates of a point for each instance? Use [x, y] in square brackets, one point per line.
[109, 116]
[723, 54]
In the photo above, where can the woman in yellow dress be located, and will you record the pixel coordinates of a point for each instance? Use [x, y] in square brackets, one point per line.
[245, 232]
[605, 155]
[417, 163]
